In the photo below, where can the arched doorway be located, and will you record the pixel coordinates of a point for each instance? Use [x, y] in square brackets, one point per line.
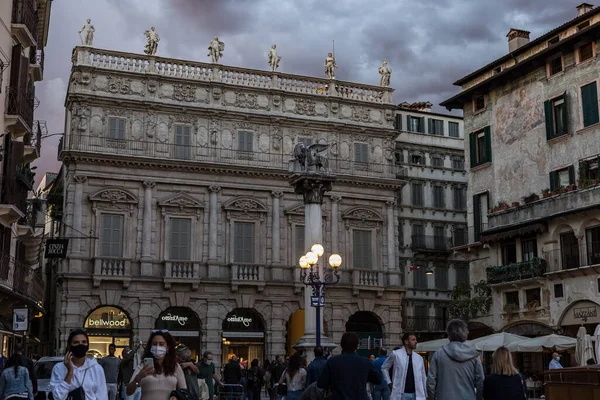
[478, 329]
[243, 335]
[184, 325]
[369, 330]
[108, 325]
[584, 313]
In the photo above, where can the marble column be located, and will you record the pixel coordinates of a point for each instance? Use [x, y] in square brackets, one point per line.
[213, 268]
[146, 261]
[276, 243]
[335, 221]
[76, 233]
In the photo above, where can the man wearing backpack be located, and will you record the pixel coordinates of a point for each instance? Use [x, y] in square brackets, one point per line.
[254, 381]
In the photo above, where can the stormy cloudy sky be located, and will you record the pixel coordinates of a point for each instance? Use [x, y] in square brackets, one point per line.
[428, 43]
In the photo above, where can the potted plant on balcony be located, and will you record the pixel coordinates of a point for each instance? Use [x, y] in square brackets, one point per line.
[571, 187]
[516, 204]
[530, 198]
[502, 205]
[546, 193]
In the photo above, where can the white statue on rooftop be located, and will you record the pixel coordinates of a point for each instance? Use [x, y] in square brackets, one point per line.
[274, 58]
[215, 50]
[386, 74]
[88, 33]
[152, 41]
[330, 66]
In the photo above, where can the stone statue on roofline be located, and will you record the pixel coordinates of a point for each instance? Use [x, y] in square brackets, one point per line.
[386, 74]
[88, 33]
[152, 39]
[274, 58]
[215, 50]
[330, 66]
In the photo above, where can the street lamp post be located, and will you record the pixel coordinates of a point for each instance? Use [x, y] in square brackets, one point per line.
[311, 277]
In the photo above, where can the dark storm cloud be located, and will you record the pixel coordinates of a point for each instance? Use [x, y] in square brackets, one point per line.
[428, 43]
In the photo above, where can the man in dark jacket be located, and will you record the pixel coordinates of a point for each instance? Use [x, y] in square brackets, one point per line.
[347, 375]
[455, 372]
[232, 375]
[315, 367]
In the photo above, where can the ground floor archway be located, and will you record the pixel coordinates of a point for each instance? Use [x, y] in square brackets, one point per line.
[243, 335]
[108, 325]
[184, 325]
[369, 329]
[580, 313]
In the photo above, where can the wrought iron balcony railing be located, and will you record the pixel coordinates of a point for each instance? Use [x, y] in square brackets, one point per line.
[14, 192]
[20, 103]
[431, 243]
[460, 238]
[24, 12]
[516, 272]
[424, 324]
[21, 278]
[573, 257]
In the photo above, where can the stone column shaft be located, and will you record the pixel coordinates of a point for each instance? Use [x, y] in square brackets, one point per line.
[335, 238]
[391, 242]
[276, 254]
[213, 269]
[146, 265]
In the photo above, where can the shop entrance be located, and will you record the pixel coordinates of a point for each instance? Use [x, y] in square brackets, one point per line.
[184, 325]
[108, 325]
[243, 335]
[366, 325]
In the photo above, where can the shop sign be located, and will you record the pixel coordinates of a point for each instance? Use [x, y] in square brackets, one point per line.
[243, 320]
[107, 318]
[178, 319]
[181, 320]
[584, 312]
[103, 323]
[56, 248]
[240, 320]
[20, 319]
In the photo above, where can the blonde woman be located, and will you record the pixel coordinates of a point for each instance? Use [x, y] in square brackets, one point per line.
[505, 382]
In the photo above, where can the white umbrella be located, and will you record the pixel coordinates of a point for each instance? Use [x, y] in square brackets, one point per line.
[597, 339]
[535, 345]
[432, 345]
[492, 342]
[584, 349]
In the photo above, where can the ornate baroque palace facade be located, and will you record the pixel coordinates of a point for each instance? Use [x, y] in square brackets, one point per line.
[181, 216]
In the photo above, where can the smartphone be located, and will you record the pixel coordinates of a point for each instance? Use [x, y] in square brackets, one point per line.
[148, 363]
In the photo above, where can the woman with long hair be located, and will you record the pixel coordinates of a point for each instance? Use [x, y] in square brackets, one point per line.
[15, 382]
[294, 377]
[78, 376]
[505, 382]
[163, 374]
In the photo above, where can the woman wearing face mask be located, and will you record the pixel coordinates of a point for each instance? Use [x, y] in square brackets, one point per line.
[166, 375]
[78, 376]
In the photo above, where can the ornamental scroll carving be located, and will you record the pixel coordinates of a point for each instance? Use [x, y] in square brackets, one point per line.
[185, 93]
[245, 209]
[362, 217]
[114, 199]
[181, 203]
[305, 107]
[119, 85]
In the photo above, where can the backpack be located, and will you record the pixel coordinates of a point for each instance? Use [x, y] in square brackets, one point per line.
[252, 377]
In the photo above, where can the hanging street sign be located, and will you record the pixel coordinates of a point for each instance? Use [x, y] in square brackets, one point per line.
[56, 248]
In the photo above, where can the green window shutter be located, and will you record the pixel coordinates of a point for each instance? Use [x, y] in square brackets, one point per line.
[488, 144]
[429, 125]
[473, 149]
[422, 125]
[112, 128]
[571, 175]
[121, 128]
[589, 100]
[549, 119]
[565, 114]
[398, 123]
[553, 180]
[408, 125]
[477, 216]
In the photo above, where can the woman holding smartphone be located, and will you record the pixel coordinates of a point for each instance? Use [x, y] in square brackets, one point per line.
[78, 376]
[159, 373]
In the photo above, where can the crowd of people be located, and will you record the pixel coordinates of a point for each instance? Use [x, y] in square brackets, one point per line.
[163, 370]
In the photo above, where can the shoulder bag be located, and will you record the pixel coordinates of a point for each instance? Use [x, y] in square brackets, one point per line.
[282, 387]
[79, 393]
[204, 393]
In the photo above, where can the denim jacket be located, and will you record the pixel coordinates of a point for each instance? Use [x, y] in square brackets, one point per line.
[11, 384]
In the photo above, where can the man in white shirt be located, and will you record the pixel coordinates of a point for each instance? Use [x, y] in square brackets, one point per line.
[410, 379]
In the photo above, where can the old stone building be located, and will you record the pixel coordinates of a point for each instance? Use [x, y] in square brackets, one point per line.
[534, 198]
[432, 214]
[177, 197]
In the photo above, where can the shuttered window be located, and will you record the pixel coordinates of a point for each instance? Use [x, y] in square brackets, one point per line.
[562, 178]
[111, 236]
[362, 249]
[420, 279]
[453, 129]
[116, 128]
[437, 161]
[556, 116]
[460, 198]
[480, 144]
[458, 164]
[462, 273]
[589, 104]
[436, 126]
[361, 152]
[245, 140]
[438, 197]
[243, 242]
[529, 249]
[180, 237]
[183, 142]
[415, 124]
[416, 191]
[398, 122]
[441, 277]
[586, 51]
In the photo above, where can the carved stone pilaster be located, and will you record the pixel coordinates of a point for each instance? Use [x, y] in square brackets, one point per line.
[80, 178]
[391, 204]
[335, 199]
[149, 184]
[277, 194]
[214, 189]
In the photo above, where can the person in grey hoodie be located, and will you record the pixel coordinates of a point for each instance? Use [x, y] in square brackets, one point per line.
[455, 372]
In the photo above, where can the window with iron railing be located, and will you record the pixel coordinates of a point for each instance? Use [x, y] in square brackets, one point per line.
[569, 251]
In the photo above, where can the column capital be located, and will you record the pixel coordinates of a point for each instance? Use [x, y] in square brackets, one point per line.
[214, 189]
[80, 178]
[149, 184]
[391, 203]
[312, 186]
[335, 199]
[277, 194]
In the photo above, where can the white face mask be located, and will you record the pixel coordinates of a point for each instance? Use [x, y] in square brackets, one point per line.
[158, 351]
